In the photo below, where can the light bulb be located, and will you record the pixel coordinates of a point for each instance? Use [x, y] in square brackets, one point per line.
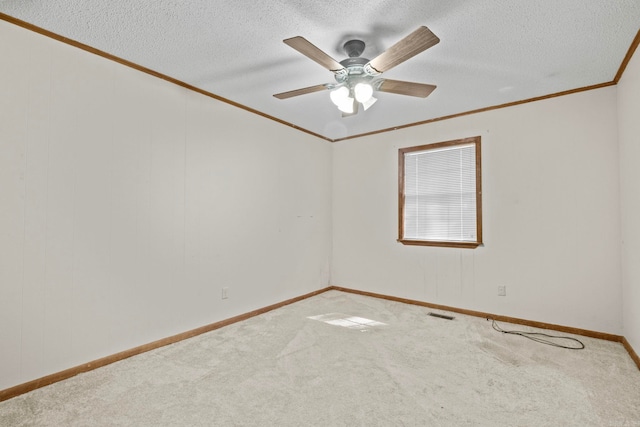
[339, 95]
[346, 106]
[363, 92]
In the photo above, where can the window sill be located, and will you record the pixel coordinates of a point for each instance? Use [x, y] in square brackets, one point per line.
[465, 245]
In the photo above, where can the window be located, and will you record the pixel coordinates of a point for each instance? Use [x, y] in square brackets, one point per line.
[440, 194]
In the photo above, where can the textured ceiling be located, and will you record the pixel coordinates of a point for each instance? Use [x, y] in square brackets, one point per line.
[491, 51]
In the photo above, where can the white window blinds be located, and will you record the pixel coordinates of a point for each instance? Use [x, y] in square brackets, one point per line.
[440, 194]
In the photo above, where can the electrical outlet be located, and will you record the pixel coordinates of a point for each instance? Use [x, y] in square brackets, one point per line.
[502, 291]
[225, 293]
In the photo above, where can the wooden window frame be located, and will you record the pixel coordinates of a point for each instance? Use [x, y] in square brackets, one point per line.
[401, 194]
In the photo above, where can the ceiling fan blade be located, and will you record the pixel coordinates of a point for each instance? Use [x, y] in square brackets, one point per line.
[309, 50]
[303, 91]
[416, 42]
[420, 90]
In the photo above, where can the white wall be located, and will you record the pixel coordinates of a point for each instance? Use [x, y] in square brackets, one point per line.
[629, 134]
[550, 215]
[127, 203]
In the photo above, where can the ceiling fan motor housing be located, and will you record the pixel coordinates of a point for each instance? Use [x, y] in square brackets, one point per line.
[355, 70]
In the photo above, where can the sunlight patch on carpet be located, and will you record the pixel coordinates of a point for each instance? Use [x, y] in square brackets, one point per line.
[347, 321]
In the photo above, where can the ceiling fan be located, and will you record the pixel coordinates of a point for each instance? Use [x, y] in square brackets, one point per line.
[357, 78]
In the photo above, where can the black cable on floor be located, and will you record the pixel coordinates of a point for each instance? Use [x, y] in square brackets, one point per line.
[540, 337]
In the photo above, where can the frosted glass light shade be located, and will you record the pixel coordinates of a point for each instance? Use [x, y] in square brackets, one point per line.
[369, 103]
[339, 96]
[346, 106]
[363, 92]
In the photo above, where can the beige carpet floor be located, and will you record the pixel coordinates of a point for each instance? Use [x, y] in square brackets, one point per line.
[340, 359]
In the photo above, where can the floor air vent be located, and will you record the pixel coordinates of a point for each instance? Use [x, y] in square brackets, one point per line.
[440, 316]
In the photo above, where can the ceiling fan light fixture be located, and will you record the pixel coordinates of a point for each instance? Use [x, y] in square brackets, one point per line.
[363, 92]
